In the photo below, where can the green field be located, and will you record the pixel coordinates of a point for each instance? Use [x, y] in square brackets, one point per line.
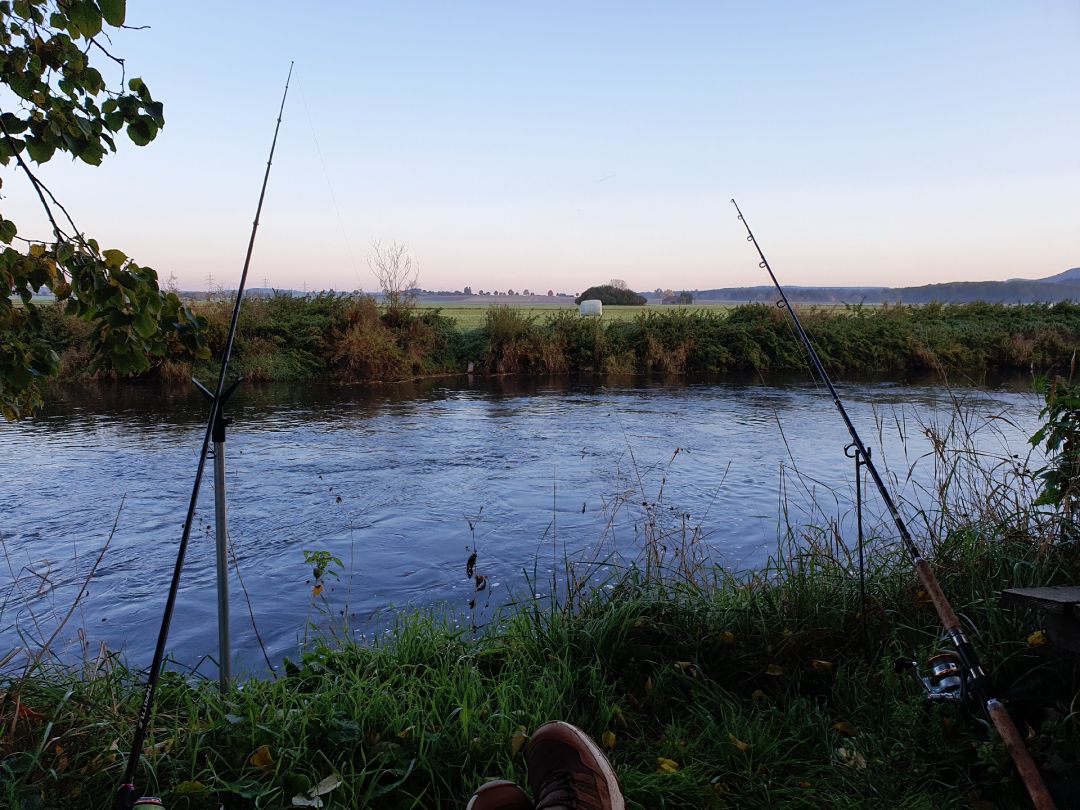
[471, 316]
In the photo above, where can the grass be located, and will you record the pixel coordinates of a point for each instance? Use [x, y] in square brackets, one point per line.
[350, 340]
[771, 688]
[757, 692]
[471, 316]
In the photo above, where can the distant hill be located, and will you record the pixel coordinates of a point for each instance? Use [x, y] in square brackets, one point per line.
[1073, 274]
[1061, 287]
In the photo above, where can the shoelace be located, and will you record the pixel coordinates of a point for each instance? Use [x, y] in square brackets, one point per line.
[568, 789]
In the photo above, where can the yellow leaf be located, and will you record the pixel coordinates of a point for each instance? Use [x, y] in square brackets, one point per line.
[804, 784]
[114, 258]
[37, 250]
[608, 740]
[261, 758]
[665, 765]
[742, 746]
[405, 733]
[317, 590]
[517, 741]
[821, 666]
[921, 597]
[727, 637]
[845, 728]
[162, 747]
[1037, 639]
[774, 670]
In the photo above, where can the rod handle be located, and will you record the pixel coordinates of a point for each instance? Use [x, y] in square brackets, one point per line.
[1025, 765]
[933, 590]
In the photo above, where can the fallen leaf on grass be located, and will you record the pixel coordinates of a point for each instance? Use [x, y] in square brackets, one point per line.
[607, 739]
[742, 746]
[163, 747]
[261, 758]
[774, 670]
[665, 765]
[312, 798]
[727, 637]
[845, 728]
[517, 741]
[850, 758]
[758, 697]
[821, 666]
[1037, 639]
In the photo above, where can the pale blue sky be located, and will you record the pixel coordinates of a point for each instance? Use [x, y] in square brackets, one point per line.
[558, 145]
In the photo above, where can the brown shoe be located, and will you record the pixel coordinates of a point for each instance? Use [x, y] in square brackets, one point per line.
[568, 770]
[499, 795]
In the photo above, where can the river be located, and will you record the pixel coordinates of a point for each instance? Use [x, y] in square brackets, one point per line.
[402, 482]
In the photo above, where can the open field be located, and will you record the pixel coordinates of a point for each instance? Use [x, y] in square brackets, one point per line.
[471, 316]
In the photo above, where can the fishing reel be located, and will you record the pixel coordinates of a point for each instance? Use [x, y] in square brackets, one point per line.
[945, 681]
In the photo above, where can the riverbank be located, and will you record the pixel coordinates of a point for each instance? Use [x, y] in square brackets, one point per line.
[352, 339]
[772, 689]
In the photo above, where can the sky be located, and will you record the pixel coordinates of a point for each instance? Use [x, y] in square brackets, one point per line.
[559, 145]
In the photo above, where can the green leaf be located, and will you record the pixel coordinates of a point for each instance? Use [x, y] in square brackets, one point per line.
[114, 259]
[114, 11]
[87, 17]
[145, 324]
[40, 151]
[92, 153]
[142, 131]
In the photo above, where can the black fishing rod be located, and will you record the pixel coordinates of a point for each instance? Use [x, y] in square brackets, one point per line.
[125, 795]
[974, 678]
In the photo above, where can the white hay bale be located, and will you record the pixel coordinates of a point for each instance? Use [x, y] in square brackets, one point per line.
[591, 307]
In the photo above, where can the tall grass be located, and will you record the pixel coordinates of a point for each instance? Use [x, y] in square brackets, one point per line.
[352, 339]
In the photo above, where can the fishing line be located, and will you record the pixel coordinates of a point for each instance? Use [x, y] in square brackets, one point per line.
[974, 680]
[125, 794]
[329, 184]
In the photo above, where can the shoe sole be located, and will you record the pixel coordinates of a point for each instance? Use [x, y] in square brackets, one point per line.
[606, 769]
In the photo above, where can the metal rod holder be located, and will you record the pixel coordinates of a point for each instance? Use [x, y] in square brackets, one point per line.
[221, 536]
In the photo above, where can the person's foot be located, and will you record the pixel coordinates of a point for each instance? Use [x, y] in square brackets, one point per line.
[567, 769]
[499, 795]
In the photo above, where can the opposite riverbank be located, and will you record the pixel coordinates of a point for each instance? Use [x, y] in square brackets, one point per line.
[352, 339]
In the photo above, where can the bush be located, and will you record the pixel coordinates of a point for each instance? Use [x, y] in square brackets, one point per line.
[611, 296]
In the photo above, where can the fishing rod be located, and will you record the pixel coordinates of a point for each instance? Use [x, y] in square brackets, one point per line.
[974, 678]
[125, 795]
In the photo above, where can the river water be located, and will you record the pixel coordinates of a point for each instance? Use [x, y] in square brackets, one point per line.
[402, 483]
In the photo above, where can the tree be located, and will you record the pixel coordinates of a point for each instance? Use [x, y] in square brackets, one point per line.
[468, 291]
[613, 296]
[58, 102]
[397, 273]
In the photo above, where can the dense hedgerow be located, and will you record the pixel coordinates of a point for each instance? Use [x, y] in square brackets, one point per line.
[352, 339]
